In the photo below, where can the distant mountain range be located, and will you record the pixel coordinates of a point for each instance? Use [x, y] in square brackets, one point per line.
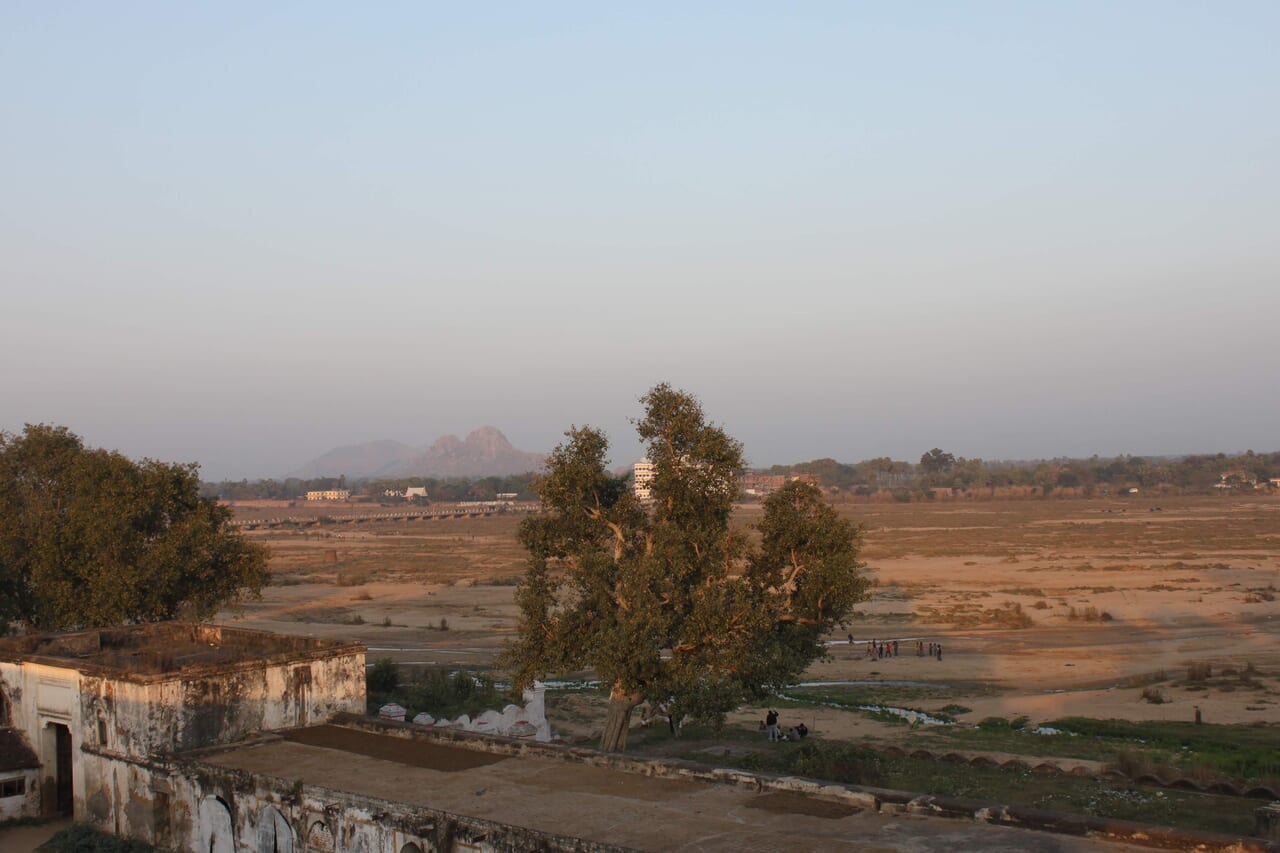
[485, 452]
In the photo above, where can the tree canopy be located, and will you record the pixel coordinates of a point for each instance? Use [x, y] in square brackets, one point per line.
[89, 537]
[666, 601]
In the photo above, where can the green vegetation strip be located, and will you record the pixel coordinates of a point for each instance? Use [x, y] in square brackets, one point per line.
[1238, 753]
[83, 838]
[842, 762]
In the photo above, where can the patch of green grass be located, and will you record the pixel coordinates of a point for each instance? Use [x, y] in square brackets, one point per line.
[1238, 752]
[843, 762]
[1241, 753]
[1073, 794]
[1017, 724]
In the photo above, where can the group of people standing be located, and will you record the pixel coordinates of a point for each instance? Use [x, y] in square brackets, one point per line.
[878, 649]
[796, 732]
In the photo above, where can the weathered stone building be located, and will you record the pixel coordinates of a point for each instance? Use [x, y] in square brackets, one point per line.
[100, 710]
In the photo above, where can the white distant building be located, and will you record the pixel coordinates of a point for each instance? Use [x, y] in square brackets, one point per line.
[415, 492]
[330, 495]
[642, 472]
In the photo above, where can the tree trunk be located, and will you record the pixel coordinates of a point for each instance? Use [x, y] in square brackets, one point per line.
[621, 704]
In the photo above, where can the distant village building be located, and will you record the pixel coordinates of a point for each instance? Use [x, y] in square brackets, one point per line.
[642, 472]
[415, 492]
[330, 495]
[1238, 479]
[761, 485]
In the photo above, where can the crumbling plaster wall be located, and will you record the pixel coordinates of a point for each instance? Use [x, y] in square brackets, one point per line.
[206, 706]
[132, 724]
[276, 815]
[23, 805]
[40, 696]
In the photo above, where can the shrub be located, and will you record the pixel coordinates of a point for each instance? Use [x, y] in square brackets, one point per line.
[1013, 616]
[83, 838]
[383, 677]
[838, 762]
[1154, 695]
[1132, 763]
[1041, 605]
[994, 724]
[1199, 671]
[445, 694]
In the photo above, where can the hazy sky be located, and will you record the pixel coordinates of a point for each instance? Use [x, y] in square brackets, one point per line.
[244, 233]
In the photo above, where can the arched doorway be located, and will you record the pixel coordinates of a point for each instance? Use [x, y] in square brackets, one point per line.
[215, 826]
[58, 791]
[274, 833]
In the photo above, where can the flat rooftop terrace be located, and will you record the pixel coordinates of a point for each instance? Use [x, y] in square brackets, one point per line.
[161, 648]
[562, 797]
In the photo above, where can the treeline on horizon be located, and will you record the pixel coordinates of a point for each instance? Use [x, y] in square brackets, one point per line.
[449, 490]
[936, 469]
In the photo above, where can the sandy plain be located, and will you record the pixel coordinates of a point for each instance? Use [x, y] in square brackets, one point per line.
[1044, 608]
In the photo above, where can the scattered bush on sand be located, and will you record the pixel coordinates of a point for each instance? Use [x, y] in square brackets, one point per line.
[1199, 671]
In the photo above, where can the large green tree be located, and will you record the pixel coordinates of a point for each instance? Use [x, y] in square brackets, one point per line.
[89, 537]
[667, 602]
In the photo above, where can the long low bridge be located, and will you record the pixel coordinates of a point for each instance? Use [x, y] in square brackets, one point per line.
[468, 509]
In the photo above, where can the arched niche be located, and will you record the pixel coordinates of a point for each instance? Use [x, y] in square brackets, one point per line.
[274, 833]
[215, 826]
[319, 838]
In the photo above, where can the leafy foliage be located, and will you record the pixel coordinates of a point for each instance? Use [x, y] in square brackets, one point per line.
[436, 690]
[383, 677]
[665, 602]
[90, 537]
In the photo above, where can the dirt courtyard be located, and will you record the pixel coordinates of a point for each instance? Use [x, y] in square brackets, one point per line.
[1043, 608]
